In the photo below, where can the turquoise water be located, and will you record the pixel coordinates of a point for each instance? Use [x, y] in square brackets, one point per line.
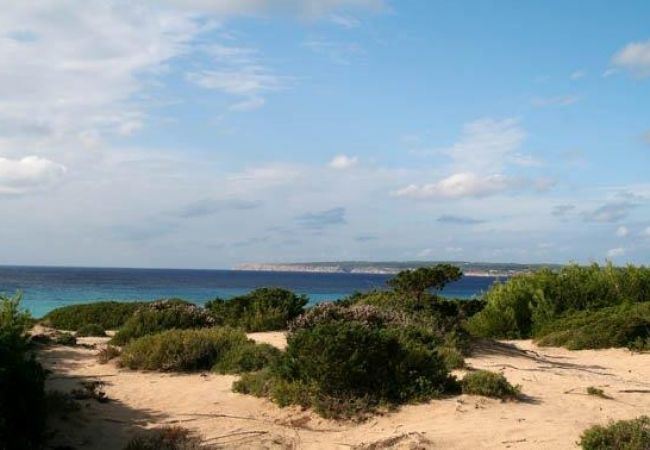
[46, 288]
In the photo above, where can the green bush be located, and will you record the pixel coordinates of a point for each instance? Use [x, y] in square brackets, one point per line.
[622, 435]
[91, 330]
[249, 357]
[22, 396]
[264, 309]
[526, 303]
[345, 363]
[65, 339]
[108, 315]
[626, 325]
[489, 384]
[162, 315]
[188, 350]
[167, 438]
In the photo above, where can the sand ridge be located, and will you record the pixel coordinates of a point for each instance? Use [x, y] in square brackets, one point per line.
[552, 416]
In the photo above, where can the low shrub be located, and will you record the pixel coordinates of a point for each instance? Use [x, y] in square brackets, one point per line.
[526, 303]
[622, 435]
[247, 358]
[626, 325]
[489, 384]
[91, 330]
[108, 315]
[346, 368]
[66, 339]
[22, 379]
[597, 392]
[264, 309]
[108, 353]
[167, 438]
[188, 350]
[162, 315]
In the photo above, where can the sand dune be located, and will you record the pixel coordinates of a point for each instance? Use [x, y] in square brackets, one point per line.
[555, 412]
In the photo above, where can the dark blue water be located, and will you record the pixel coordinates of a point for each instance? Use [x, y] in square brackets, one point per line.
[46, 288]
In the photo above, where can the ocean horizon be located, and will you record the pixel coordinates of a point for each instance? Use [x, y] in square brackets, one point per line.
[45, 288]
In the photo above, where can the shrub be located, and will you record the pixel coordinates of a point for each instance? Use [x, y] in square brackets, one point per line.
[247, 358]
[346, 368]
[528, 302]
[622, 435]
[596, 392]
[22, 397]
[626, 325]
[489, 384]
[264, 309]
[91, 330]
[167, 438]
[188, 350]
[108, 315]
[65, 339]
[162, 315]
[108, 353]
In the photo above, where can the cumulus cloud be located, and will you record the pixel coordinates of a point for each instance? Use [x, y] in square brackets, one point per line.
[342, 162]
[635, 58]
[622, 231]
[465, 184]
[615, 252]
[322, 219]
[28, 174]
[609, 212]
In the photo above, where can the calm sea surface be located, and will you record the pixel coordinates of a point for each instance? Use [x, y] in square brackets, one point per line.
[46, 288]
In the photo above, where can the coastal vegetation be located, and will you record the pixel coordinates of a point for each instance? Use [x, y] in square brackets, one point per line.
[91, 330]
[569, 304]
[489, 384]
[162, 315]
[224, 349]
[622, 435]
[22, 396]
[264, 309]
[109, 315]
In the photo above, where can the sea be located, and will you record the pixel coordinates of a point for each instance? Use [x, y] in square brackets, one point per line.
[46, 288]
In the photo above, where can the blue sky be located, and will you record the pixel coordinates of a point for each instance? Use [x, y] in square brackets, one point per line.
[207, 133]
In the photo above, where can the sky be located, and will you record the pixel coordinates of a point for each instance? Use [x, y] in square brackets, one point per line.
[209, 133]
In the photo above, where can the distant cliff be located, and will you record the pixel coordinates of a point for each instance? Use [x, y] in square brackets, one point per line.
[472, 269]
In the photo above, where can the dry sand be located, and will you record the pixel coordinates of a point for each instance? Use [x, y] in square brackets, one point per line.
[553, 416]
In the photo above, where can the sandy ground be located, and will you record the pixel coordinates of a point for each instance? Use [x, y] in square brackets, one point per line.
[554, 414]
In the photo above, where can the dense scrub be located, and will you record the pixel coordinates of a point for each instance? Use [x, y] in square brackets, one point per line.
[528, 303]
[167, 438]
[622, 435]
[91, 330]
[489, 384]
[344, 362]
[162, 315]
[22, 398]
[225, 349]
[108, 315]
[626, 325]
[264, 309]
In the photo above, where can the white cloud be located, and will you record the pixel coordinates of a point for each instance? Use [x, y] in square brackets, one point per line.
[560, 100]
[304, 8]
[345, 21]
[635, 58]
[28, 174]
[578, 74]
[458, 185]
[615, 252]
[343, 162]
[341, 53]
[646, 232]
[622, 231]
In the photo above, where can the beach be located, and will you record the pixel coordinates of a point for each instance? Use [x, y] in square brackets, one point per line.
[553, 413]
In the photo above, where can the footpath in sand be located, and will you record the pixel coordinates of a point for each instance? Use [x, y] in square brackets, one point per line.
[555, 412]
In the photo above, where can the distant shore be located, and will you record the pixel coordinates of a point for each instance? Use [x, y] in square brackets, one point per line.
[377, 269]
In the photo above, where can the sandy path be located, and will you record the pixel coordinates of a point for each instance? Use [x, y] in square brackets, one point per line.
[553, 417]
